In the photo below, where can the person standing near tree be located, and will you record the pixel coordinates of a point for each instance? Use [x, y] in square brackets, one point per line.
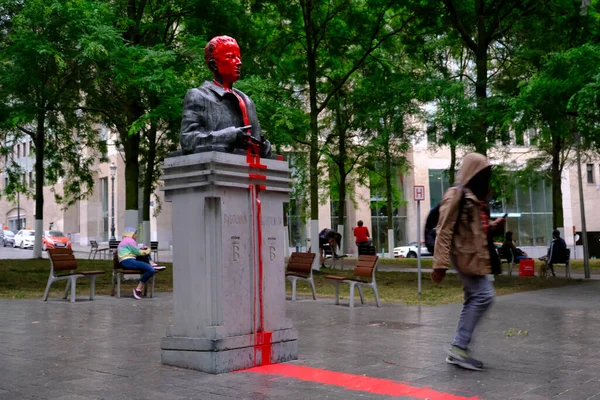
[465, 241]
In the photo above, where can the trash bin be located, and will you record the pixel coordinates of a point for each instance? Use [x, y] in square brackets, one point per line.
[527, 268]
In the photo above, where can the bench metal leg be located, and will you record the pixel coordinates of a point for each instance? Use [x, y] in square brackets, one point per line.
[92, 286]
[312, 286]
[294, 280]
[374, 285]
[67, 289]
[90, 255]
[112, 284]
[337, 292]
[47, 289]
[351, 295]
[360, 292]
[118, 285]
[73, 283]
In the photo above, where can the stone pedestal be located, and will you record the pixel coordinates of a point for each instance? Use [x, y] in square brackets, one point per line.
[228, 263]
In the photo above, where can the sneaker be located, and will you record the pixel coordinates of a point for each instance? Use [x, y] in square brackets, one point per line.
[137, 294]
[460, 357]
[159, 268]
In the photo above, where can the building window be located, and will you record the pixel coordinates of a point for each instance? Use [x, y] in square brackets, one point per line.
[18, 151]
[31, 179]
[590, 173]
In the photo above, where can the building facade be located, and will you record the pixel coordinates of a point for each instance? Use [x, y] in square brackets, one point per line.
[529, 208]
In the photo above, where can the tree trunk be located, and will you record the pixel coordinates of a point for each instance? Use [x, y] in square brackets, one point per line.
[40, 140]
[131, 147]
[388, 185]
[452, 169]
[311, 60]
[557, 205]
[148, 179]
[481, 96]
[341, 164]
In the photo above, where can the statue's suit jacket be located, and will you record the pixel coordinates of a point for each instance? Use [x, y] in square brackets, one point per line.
[208, 112]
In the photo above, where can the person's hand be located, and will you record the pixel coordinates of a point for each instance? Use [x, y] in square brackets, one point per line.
[265, 148]
[500, 221]
[438, 275]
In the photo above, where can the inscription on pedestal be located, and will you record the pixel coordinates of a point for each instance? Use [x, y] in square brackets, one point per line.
[235, 248]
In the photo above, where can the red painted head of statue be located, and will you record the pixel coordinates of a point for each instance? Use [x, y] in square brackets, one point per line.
[222, 55]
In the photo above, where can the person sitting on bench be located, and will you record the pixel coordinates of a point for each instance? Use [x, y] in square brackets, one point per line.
[132, 257]
[508, 245]
[361, 233]
[556, 252]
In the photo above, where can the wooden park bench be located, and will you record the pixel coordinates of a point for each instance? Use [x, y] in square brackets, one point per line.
[507, 257]
[300, 267]
[119, 272]
[566, 261]
[63, 260]
[364, 275]
[95, 250]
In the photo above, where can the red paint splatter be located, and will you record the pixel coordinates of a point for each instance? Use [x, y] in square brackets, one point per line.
[384, 387]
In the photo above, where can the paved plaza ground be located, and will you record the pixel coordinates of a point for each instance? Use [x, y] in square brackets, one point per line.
[536, 345]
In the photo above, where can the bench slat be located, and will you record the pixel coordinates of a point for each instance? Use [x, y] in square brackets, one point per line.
[363, 271]
[299, 267]
[63, 265]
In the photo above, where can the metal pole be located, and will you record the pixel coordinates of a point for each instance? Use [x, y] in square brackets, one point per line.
[112, 225]
[419, 244]
[586, 254]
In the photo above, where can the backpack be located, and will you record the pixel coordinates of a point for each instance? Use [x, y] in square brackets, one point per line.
[432, 222]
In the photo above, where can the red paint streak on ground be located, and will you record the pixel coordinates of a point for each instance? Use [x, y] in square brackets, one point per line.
[384, 387]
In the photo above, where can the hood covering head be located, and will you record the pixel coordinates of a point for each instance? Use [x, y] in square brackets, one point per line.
[129, 232]
[472, 164]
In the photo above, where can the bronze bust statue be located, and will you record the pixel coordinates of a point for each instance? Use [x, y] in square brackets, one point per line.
[217, 117]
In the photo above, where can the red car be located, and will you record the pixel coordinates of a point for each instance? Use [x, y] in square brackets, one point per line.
[54, 240]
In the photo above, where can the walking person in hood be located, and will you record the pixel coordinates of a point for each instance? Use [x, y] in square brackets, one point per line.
[464, 239]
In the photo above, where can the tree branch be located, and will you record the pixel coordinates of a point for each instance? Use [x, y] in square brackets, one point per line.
[459, 26]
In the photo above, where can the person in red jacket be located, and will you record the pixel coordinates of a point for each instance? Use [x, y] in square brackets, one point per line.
[361, 233]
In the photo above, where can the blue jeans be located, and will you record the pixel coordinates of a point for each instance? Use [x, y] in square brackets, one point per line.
[479, 295]
[519, 258]
[145, 269]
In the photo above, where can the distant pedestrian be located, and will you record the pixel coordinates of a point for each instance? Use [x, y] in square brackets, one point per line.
[361, 234]
[465, 241]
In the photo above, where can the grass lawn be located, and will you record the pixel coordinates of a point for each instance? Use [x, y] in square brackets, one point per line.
[21, 279]
[576, 265]
[401, 287]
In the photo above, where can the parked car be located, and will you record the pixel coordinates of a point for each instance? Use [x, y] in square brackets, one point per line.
[411, 250]
[55, 239]
[24, 239]
[7, 237]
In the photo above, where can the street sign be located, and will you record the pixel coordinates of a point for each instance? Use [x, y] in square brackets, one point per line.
[419, 197]
[419, 193]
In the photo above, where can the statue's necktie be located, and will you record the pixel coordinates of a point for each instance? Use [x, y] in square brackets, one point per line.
[242, 103]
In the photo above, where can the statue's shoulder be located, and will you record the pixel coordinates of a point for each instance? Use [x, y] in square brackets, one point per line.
[244, 96]
[202, 92]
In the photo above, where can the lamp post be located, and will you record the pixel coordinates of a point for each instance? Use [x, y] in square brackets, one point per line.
[113, 172]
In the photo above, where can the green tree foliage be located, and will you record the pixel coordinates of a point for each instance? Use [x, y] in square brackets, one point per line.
[50, 50]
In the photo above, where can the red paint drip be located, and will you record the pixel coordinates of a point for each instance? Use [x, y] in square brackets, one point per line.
[360, 383]
[279, 157]
[257, 176]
